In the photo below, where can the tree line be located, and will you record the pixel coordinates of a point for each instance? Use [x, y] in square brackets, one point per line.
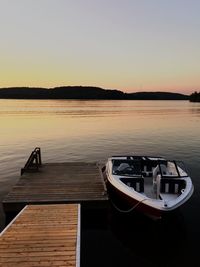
[85, 92]
[195, 97]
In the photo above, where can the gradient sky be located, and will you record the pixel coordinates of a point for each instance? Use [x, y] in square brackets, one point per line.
[130, 45]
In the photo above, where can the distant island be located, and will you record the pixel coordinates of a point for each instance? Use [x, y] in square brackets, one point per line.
[84, 92]
[195, 97]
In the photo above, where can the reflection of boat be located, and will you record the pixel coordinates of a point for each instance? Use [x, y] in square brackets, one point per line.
[152, 185]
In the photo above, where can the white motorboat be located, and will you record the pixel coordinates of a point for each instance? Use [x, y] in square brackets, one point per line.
[152, 185]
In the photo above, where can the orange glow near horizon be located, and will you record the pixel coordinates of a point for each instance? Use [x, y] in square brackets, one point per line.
[137, 46]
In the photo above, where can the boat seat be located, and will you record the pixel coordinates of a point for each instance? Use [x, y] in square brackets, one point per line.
[123, 166]
[136, 183]
[146, 170]
[172, 186]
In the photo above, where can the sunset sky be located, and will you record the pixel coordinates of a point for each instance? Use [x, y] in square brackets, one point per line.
[130, 45]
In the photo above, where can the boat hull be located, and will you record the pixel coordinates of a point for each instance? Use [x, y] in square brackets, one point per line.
[125, 203]
[127, 179]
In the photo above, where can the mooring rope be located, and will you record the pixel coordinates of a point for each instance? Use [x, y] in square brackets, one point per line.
[129, 210]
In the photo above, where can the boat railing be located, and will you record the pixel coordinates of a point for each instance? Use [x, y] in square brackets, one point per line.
[34, 161]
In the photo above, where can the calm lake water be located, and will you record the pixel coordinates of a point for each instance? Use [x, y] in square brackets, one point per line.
[70, 130]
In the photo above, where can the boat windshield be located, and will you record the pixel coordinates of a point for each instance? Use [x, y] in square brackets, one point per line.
[138, 167]
[127, 167]
[173, 169]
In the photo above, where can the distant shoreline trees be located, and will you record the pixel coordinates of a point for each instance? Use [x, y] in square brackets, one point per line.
[84, 92]
[195, 97]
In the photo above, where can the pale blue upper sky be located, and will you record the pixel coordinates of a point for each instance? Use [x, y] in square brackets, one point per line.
[131, 45]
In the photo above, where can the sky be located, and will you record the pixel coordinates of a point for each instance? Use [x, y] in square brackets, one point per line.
[130, 45]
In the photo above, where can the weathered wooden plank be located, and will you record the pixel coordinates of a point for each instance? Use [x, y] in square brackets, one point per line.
[42, 235]
[70, 182]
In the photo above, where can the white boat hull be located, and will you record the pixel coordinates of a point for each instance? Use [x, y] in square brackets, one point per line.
[155, 207]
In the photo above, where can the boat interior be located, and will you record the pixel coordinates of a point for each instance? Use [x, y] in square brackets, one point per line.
[156, 178]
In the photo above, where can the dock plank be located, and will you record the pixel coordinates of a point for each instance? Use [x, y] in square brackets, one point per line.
[42, 235]
[54, 183]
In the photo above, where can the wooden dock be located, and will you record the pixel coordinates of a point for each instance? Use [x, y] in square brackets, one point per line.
[54, 183]
[42, 235]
